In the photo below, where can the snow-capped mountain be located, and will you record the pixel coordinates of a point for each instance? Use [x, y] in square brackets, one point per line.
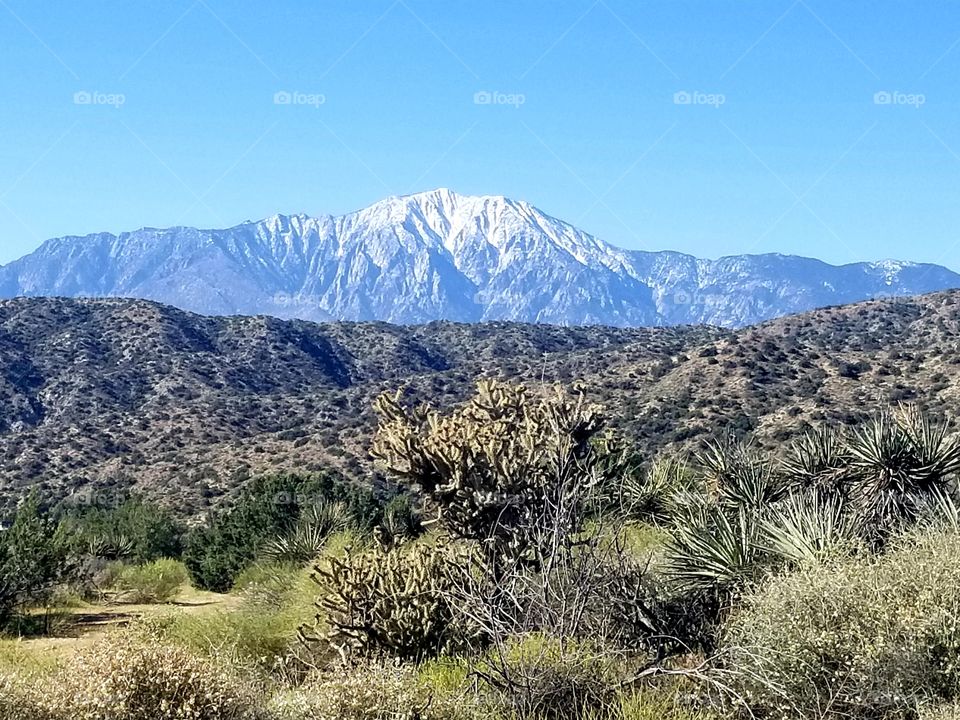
[440, 255]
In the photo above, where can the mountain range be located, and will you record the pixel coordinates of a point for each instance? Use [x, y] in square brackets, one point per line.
[443, 256]
[116, 394]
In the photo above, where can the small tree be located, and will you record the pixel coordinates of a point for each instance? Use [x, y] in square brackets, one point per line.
[33, 558]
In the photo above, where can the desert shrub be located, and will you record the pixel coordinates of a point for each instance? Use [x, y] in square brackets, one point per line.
[22, 699]
[372, 692]
[537, 676]
[396, 602]
[946, 711]
[155, 582]
[588, 587]
[858, 638]
[134, 530]
[125, 679]
[270, 507]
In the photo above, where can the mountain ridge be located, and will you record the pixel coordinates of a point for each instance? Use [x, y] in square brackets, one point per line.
[440, 255]
[120, 394]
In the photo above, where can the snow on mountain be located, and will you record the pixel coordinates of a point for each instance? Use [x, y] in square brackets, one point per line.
[440, 255]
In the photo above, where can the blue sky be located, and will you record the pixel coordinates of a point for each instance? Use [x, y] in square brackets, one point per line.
[815, 127]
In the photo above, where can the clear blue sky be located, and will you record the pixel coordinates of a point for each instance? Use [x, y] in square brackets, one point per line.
[798, 158]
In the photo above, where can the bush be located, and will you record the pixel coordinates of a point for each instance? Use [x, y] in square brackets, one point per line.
[372, 692]
[124, 679]
[134, 530]
[941, 712]
[863, 637]
[542, 677]
[20, 700]
[33, 559]
[270, 507]
[155, 582]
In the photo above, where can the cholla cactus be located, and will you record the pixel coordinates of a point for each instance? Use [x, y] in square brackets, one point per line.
[491, 467]
[393, 602]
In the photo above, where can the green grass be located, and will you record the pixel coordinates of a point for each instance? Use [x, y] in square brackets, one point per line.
[256, 631]
[17, 657]
[273, 601]
[650, 704]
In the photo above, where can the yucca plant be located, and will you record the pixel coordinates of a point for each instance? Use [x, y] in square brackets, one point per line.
[721, 458]
[689, 507]
[111, 546]
[305, 542]
[400, 522]
[941, 506]
[810, 528]
[739, 476]
[897, 460]
[647, 494]
[819, 458]
[721, 556]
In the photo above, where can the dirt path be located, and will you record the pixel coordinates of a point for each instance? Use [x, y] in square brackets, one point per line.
[82, 626]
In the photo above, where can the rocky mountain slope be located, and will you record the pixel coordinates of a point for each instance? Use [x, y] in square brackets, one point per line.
[443, 256]
[107, 395]
[110, 393]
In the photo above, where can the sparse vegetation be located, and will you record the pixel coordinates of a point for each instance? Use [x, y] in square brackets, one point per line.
[525, 557]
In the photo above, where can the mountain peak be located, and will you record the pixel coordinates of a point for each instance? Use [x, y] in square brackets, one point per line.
[438, 255]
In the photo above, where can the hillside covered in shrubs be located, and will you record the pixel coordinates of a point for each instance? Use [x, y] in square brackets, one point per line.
[112, 397]
[528, 561]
